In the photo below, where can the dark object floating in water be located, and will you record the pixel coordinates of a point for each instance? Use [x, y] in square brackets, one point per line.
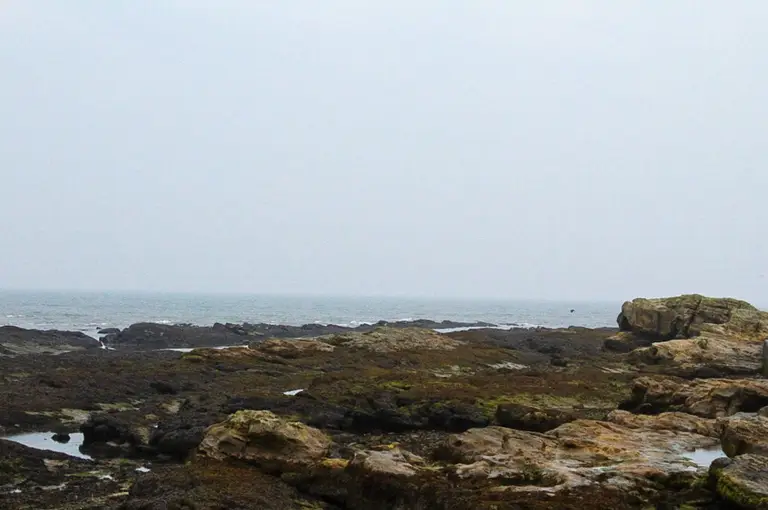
[61, 438]
[572, 310]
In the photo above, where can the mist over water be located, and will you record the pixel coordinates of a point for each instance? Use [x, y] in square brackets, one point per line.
[90, 311]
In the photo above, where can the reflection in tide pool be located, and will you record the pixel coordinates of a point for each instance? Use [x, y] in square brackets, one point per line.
[703, 457]
[43, 441]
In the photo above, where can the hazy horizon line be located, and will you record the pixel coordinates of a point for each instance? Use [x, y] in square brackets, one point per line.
[307, 294]
[330, 295]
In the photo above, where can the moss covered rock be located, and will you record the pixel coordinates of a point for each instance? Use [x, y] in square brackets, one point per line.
[262, 438]
[386, 340]
[743, 481]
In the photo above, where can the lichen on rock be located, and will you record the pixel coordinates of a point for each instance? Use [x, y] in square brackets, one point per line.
[263, 438]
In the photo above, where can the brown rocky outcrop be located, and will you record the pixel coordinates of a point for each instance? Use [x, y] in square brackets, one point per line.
[708, 398]
[576, 454]
[693, 331]
[744, 434]
[395, 462]
[535, 419]
[386, 340]
[264, 439]
[692, 315]
[17, 341]
[680, 422]
[293, 348]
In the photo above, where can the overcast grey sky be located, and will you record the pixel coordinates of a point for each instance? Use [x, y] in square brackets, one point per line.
[561, 149]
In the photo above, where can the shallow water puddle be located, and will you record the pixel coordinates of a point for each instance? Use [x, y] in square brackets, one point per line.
[190, 349]
[703, 457]
[43, 441]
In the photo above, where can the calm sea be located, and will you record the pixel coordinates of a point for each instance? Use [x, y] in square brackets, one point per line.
[90, 311]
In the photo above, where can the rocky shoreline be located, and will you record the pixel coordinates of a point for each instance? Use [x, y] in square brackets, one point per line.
[395, 415]
[147, 335]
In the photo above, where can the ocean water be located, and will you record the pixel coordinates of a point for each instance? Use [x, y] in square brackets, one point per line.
[90, 311]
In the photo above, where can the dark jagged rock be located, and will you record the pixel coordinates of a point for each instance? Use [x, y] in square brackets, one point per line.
[210, 485]
[104, 428]
[43, 479]
[109, 331]
[558, 361]
[539, 344]
[705, 372]
[16, 341]
[382, 412]
[177, 438]
[164, 388]
[147, 335]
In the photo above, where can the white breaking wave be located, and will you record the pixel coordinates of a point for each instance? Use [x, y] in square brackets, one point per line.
[502, 327]
[355, 324]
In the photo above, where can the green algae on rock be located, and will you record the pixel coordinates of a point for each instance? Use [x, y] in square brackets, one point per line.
[261, 437]
[387, 340]
[742, 481]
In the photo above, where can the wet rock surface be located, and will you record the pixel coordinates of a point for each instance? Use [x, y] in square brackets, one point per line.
[17, 341]
[37, 479]
[577, 454]
[388, 417]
